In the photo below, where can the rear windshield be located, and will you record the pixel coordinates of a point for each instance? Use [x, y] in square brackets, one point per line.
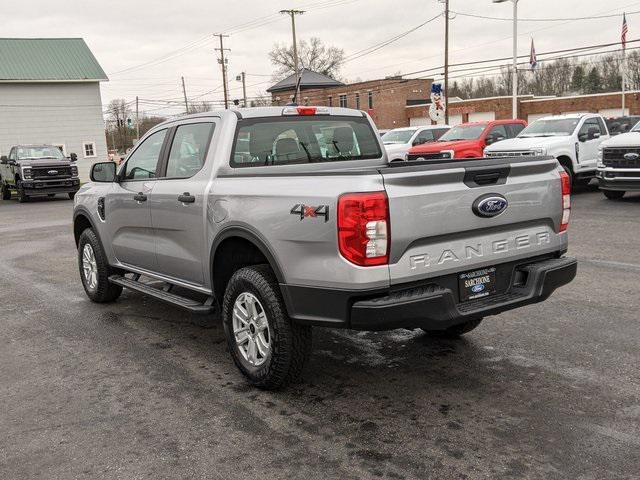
[295, 140]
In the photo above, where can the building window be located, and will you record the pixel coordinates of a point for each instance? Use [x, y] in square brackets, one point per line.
[89, 149]
[370, 100]
[331, 101]
[343, 101]
[357, 101]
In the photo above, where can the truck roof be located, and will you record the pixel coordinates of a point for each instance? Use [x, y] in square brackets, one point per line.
[495, 122]
[570, 116]
[255, 112]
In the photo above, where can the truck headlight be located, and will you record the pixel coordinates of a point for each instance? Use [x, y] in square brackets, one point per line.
[26, 173]
[540, 151]
[74, 171]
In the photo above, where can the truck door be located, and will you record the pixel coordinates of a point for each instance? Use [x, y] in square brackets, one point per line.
[128, 217]
[178, 202]
[588, 145]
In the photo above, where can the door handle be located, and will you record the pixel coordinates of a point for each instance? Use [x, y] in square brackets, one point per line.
[186, 197]
[140, 197]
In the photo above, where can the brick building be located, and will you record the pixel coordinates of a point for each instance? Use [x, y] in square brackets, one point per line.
[530, 108]
[386, 100]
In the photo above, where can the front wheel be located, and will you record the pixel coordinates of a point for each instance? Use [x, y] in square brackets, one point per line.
[266, 345]
[6, 193]
[71, 195]
[94, 269]
[22, 196]
[613, 194]
[456, 330]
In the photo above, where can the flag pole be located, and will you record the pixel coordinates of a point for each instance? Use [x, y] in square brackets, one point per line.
[623, 40]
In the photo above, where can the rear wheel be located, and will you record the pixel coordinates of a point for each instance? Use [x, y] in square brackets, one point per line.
[613, 194]
[266, 345]
[456, 330]
[94, 269]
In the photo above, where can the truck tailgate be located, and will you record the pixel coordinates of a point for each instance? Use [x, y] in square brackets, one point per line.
[434, 230]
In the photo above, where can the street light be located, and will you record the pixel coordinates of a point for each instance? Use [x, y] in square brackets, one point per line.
[515, 55]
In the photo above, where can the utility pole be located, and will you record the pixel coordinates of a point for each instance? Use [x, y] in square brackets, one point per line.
[446, 62]
[514, 79]
[244, 89]
[137, 121]
[186, 102]
[292, 14]
[223, 62]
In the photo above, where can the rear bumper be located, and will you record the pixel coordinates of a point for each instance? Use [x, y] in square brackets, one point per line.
[432, 305]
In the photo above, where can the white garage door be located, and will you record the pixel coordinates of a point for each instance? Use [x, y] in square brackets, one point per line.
[535, 116]
[455, 120]
[482, 116]
[419, 121]
[613, 112]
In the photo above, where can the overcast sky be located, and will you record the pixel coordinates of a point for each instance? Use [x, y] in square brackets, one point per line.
[126, 35]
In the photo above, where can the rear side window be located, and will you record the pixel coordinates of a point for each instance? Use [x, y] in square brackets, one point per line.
[287, 141]
[188, 149]
[515, 129]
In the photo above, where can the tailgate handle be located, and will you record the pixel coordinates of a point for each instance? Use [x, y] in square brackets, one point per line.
[483, 176]
[487, 178]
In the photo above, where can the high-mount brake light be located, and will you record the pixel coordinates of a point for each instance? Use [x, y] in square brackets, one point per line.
[305, 111]
[364, 231]
[565, 183]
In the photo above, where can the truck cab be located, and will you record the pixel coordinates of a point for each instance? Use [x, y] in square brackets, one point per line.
[467, 140]
[573, 139]
[37, 170]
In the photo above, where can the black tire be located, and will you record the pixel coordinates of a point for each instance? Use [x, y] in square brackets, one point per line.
[613, 194]
[290, 343]
[22, 196]
[6, 193]
[104, 291]
[71, 195]
[456, 330]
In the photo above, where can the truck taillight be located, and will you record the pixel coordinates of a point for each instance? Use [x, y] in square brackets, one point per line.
[565, 183]
[363, 228]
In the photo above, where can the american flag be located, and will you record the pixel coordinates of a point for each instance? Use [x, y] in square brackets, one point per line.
[625, 30]
[533, 59]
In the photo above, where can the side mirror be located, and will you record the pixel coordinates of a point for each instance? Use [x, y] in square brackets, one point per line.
[583, 137]
[73, 157]
[4, 159]
[493, 138]
[593, 132]
[418, 141]
[103, 172]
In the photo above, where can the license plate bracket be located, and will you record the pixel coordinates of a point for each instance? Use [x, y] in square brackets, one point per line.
[477, 284]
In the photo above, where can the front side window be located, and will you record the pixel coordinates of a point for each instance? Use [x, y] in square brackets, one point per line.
[343, 101]
[589, 124]
[282, 141]
[12, 154]
[188, 149]
[463, 132]
[143, 162]
[515, 129]
[89, 149]
[425, 136]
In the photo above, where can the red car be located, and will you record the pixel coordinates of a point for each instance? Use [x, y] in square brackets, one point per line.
[467, 140]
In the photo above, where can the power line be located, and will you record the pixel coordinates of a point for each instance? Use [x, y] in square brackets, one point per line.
[573, 19]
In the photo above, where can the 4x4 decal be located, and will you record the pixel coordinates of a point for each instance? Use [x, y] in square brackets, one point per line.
[305, 211]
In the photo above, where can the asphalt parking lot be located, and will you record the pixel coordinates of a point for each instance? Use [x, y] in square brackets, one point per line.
[138, 389]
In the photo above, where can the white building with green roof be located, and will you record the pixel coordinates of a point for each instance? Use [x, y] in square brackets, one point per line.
[50, 93]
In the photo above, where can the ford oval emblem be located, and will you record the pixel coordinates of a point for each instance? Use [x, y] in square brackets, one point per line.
[477, 288]
[52, 172]
[490, 205]
[632, 156]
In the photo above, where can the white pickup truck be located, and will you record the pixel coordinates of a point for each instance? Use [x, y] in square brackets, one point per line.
[573, 139]
[619, 165]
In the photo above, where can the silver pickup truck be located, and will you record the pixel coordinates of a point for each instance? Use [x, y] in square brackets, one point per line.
[291, 217]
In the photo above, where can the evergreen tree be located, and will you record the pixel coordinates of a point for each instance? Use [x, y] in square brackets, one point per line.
[593, 81]
[577, 80]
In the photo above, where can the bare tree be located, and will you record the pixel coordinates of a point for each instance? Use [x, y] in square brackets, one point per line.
[261, 100]
[198, 107]
[118, 112]
[313, 55]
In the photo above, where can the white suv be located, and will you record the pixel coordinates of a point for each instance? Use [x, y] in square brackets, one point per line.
[398, 141]
[573, 139]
